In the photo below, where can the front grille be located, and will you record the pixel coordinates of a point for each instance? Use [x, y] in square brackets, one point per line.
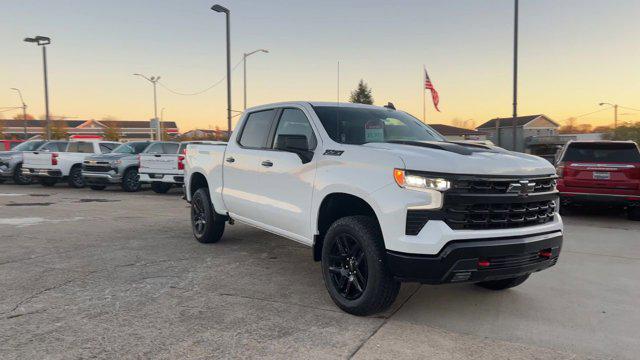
[480, 203]
[500, 186]
[498, 216]
[96, 168]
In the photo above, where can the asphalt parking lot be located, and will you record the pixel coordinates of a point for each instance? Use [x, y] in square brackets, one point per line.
[116, 275]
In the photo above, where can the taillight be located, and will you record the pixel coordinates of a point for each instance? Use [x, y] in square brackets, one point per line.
[180, 162]
[54, 158]
[560, 169]
[138, 157]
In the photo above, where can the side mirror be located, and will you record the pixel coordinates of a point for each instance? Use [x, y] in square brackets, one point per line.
[298, 144]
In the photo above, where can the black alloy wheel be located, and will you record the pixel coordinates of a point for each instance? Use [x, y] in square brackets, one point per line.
[75, 177]
[20, 178]
[131, 181]
[348, 267]
[207, 225]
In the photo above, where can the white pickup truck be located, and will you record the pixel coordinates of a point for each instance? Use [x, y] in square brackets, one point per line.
[162, 164]
[380, 197]
[51, 167]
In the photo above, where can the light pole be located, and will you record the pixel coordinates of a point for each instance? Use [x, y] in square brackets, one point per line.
[244, 71]
[154, 81]
[44, 41]
[222, 9]
[24, 111]
[515, 74]
[615, 113]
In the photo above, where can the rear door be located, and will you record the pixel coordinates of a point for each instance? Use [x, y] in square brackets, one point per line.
[160, 158]
[602, 165]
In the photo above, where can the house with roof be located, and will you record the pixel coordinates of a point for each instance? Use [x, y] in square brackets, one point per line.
[129, 130]
[453, 133]
[535, 134]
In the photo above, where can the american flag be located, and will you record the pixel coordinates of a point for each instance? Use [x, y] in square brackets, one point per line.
[434, 93]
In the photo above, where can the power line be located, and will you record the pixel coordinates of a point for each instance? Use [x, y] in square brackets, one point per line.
[589, 113]
[201, 91]
[628, 108]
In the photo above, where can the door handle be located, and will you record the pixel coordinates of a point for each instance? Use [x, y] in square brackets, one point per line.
[157, 155]
[267, 163]
[230, 159]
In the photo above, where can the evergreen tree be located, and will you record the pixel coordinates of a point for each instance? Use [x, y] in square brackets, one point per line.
[362, 94]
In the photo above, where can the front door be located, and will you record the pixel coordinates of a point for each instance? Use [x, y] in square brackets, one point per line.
[269, 186]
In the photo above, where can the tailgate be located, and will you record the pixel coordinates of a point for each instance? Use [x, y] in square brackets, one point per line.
[159, 164]
[603, 175]
[37, 160]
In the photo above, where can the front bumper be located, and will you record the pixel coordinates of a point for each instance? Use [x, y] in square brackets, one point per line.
[101, 178]
[6, 170]
[458, 261]
[43, 173]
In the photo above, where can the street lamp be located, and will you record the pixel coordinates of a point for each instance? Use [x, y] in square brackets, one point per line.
[615, 113]
[154, 81]
[244, 71]
[44, 41]
[222, 9]
[24, 111]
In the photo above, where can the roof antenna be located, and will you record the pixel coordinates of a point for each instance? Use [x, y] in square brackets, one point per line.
[390, 106]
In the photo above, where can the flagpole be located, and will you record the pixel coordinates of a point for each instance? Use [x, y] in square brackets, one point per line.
[424, 101]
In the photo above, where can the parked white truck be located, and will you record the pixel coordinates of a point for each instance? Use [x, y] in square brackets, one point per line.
[51, 167]
[380, 197]
[162, 164]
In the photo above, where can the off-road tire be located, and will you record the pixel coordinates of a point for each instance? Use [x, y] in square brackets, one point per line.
[75, 177]
[131, 180]
[98, 187]
[504, 283]
[19, 178]
[207, 225]
[160, 187]
[380, 288]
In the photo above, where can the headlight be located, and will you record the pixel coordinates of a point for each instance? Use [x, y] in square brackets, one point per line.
[117, 162]
[418, 182]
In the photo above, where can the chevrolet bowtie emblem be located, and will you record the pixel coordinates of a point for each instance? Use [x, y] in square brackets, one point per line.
[522, 187]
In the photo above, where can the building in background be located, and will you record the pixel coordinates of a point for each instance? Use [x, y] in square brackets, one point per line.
[127, 130]
[453, 133]
[205, 134]
[535, 134]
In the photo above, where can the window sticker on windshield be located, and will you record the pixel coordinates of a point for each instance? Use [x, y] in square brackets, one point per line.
[374, 131]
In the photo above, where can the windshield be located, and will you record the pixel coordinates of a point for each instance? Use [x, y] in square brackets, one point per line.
[351, 125]
[602, 152]
[131, 148]
[28, 146]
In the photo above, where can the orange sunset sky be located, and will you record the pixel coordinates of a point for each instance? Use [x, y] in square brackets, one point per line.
[573, 55]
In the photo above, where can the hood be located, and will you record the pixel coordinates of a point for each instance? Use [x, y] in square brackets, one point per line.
[454, 158]
[109, 157]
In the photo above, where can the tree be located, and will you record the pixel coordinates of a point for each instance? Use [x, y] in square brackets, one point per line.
[20, 117]
[465, 124]
[626, 131]
[569, 127]
[112, 132]
[59, 130]
[362, 94]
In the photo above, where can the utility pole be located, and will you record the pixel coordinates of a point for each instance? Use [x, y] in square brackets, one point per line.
[615, 113]
[222, 9]
[154, 81]
[44, 41]
[24, 112]
[515, 75]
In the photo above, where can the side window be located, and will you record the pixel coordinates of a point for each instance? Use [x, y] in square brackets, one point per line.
[61, 146]
[154, 149]
[106, 147]
[256, 129]
[295, 122]
[170, 148]
[80, 147]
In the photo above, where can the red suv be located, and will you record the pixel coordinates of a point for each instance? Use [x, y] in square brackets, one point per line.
[604, 172]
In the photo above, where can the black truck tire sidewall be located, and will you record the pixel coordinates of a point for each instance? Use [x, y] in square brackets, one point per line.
[130, 180]
[381, 288]
[215, 224]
